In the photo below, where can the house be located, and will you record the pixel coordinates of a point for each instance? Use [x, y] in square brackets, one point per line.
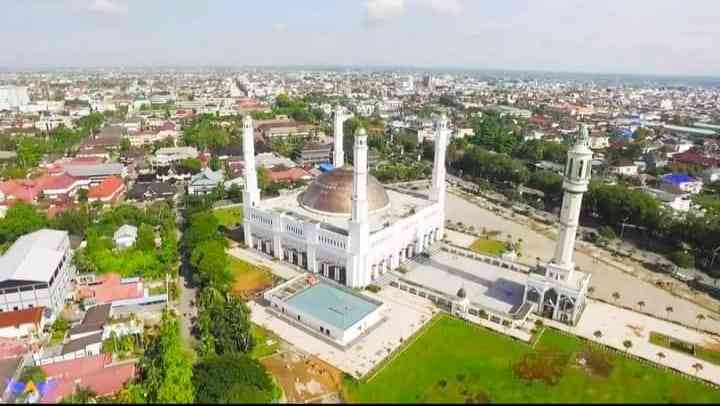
[21, 323]
[152, 191]
[283, 128]
[93, 322]
[599, 142]
[110, 288]
[282, 174]
[82, 347]
[315, 153]
[172, 155]
[37, 271]
[680, 183]
[125, 236]
[109, 191]
[624, 169]
[205, 182]
[96, 373]
[680, 202]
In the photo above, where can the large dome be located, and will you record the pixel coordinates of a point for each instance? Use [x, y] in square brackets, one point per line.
[331, 193]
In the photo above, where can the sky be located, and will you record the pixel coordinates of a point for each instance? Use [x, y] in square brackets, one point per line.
[673, 37]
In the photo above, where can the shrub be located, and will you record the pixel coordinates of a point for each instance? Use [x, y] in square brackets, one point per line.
[683, 259]
[373, 288]
[607, 232]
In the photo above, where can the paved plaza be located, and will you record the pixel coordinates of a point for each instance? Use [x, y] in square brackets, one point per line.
[488, 285]
[404, 315]
[606, 279]
[618, 325]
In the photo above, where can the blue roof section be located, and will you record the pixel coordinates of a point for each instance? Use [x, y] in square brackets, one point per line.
[677, 178]
[331, 305]
[325, 167]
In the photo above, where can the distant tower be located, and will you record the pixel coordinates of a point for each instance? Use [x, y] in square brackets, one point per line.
[339, 153]
[359, 229]
[556, 290]
[251, 195]
[577, 178]
[437, 188]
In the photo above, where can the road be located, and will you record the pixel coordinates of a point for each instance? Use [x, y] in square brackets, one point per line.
[188, 292]
[606, 279]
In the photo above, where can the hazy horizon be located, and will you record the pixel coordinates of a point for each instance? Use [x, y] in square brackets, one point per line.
[635, 37]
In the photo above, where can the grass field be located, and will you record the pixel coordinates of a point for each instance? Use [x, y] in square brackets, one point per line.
[676, 344]
[266, 343]
[457, 362]
[249, 278]
[488, 246]
[230, 217]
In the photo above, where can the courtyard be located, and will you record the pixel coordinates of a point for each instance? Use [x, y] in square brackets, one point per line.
[458, 362]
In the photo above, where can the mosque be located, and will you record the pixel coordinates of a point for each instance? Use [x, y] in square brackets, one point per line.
[345, 225]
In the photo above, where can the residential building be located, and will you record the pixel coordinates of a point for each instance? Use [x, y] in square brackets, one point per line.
[125, 236]
[205, 182]
[22, 323]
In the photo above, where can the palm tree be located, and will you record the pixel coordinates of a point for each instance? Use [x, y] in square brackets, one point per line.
[597, 334]
[700, 317]
[591, 289]
[698, 367]
[661, 355]
[616, 296]
[641, 304]
[627, 344]
[668, 310]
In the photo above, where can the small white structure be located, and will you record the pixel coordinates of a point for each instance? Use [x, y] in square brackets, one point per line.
[556, 289]
[125, 236]
[329, 310]
[205, 182]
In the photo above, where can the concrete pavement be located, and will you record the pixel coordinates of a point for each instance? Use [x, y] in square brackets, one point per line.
[606, 279]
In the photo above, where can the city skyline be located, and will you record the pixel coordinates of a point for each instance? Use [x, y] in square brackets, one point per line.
[563, 36]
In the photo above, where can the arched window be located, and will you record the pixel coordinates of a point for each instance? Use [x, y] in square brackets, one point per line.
[580, 168]
[569, 168]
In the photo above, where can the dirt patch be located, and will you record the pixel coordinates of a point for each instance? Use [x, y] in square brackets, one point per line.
[712, 344]
[637, 330]
[595, 362]
[546, 366]
[303, 378]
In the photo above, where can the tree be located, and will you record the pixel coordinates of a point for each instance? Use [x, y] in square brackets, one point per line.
[598, 334]
[700, 317]
[81, 396]
[212, 264]
[167, 367]
[145, 238]
[661, 355]
[668, 310]
[627, 344]
[20, 219]
[641, 304]
[264, 179]
[697, 367]
[616, 296]
[232, 378]
[125, 146]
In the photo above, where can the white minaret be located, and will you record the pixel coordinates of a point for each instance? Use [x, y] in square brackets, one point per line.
[437, 189]
[339, 153]
[359, 229]
[577, 177]
[251, 196]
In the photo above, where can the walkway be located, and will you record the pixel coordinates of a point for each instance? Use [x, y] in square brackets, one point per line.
[618, 325]
[606, 279]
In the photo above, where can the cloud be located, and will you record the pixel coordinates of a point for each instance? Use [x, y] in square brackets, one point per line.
[379, 11]
[444, 7]
[279, 27]
[115, 7]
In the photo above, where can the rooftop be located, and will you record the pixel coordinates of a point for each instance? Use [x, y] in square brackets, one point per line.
[19, 317]
[34, 256]
[336, 307]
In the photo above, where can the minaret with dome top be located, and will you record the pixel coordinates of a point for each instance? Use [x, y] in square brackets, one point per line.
[557, 289]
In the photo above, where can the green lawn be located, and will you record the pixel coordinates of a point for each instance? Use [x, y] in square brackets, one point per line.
[453, 361]
[262, 347]
[230, 218]
[249, 278]
[488, 246]
[676, 344]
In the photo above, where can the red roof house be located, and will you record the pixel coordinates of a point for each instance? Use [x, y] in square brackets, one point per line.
[94, 372]
[109, 190]
[111, 288]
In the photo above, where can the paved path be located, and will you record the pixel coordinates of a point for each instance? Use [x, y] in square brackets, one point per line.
[605, 279]
[618, 325]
